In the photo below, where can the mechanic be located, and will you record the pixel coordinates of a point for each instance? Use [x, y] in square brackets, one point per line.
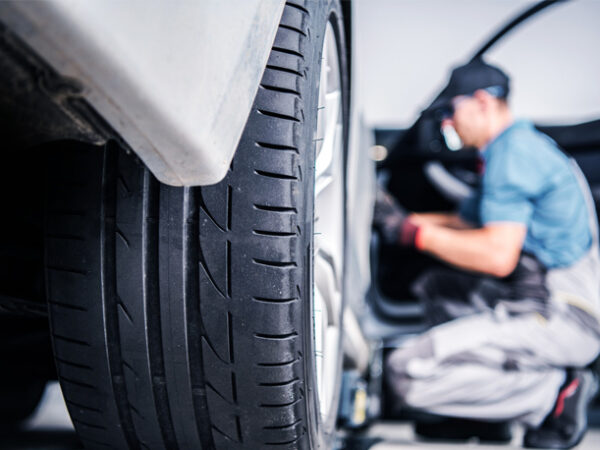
[515, 316]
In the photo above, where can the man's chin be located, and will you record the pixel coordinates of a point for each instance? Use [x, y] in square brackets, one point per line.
[467, 143]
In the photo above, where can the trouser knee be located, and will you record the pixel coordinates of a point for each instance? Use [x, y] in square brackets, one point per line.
[397, 364]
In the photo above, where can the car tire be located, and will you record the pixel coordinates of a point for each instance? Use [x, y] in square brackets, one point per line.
[185, 317]
[26, 367]
[19, 398]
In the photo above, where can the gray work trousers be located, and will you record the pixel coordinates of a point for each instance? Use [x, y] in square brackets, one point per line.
[504, 363]
[492, 365]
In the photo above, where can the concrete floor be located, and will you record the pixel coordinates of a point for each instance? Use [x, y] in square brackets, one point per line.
[399, 436]
[51, 429]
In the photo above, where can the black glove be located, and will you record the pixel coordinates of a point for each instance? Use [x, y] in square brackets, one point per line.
[392, 222]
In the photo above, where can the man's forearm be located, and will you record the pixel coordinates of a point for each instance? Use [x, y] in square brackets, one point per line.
[490, 250]
[449, 220]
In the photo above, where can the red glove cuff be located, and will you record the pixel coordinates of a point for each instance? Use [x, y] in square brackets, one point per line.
[419, 244]
[408, 233]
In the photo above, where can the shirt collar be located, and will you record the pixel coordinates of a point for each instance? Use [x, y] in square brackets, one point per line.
[517, 124]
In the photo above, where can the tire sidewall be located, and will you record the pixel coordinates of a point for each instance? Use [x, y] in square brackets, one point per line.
[322, 430]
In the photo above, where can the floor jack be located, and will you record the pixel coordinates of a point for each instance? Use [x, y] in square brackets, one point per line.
[360, 404]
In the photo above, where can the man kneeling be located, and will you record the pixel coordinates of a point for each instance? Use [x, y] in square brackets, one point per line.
[516, 313]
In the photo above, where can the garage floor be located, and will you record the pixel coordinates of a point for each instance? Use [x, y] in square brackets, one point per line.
[51, 429]
[399, 436]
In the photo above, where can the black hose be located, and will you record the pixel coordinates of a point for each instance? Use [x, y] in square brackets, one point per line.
[513, 23]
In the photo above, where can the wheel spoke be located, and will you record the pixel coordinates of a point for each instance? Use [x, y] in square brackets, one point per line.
[327, 283]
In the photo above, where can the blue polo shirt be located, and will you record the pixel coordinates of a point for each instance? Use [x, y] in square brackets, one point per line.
[528, 180]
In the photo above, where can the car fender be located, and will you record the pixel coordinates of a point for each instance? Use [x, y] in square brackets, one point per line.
[176, 80]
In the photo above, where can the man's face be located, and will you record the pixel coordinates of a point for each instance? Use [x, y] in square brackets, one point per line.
[468, 119]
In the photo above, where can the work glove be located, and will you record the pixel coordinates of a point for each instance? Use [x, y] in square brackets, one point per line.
[392, 222]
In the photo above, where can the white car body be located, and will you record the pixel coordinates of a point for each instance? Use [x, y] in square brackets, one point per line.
[175, 79]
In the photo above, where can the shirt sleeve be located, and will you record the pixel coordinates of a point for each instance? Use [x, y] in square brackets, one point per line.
[511, 183]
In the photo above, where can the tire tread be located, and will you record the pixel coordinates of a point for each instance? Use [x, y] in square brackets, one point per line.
[207, 281]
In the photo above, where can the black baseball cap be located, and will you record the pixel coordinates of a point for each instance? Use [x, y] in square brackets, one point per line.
[466, 79]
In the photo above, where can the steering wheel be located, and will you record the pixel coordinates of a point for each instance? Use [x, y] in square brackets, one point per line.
[455, 185]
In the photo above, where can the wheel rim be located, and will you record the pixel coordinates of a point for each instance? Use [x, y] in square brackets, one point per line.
[329, 225]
